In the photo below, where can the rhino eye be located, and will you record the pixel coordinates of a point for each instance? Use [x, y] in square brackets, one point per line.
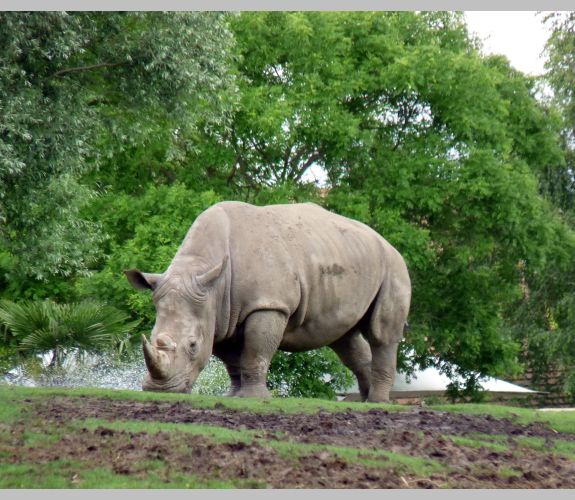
[193, 346]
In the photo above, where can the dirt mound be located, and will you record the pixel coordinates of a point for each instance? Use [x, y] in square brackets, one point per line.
[344, 426]
[427, 434]
[254, 465]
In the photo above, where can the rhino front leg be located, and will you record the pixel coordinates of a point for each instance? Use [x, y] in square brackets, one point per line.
[230, 356]
[235, 380]
[383, 364]
[263, 333]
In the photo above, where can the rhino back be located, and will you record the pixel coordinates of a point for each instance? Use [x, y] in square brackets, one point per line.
[322, 270]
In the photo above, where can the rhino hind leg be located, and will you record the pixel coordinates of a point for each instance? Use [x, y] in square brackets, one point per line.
[384, 362]
[355, 353]
[263, 332]
[384, 330]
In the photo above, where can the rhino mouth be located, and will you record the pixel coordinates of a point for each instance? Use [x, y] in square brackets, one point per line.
[175, 384]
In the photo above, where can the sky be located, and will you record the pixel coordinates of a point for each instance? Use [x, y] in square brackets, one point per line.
[519, 35]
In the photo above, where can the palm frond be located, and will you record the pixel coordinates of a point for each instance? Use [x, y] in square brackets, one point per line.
[46, 326]
[24, 318]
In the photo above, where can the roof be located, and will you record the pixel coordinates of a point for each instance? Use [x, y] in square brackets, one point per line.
[431, 381]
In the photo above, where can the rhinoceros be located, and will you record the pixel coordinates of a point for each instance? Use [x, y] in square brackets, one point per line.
[250, 280]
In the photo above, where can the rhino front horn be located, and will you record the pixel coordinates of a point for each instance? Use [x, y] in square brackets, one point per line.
[156, 361]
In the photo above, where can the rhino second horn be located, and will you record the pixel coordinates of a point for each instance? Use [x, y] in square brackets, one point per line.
[156, 361]
[165, 342]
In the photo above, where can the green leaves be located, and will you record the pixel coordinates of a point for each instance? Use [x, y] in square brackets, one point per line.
[445, 152]
[78, 88]
[147, 232]
[44, 326]
[441, 150]
[317, 373]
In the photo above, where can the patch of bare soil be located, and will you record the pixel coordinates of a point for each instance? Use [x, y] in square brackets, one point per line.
[418, 432]
[247, 464]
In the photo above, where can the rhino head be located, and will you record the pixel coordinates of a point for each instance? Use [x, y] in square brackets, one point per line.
[185, 298]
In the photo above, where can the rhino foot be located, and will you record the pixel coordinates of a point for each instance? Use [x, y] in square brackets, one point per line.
[378, 396]
[253, 392]
[233, 390]
[377, 400]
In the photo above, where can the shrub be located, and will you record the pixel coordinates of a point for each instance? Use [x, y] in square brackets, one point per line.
[40, 327]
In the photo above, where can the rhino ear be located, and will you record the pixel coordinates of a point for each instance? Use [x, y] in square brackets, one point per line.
[142, 281]
[207, 278]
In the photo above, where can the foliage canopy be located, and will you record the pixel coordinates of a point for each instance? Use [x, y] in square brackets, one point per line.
[447, 153]
[77, 88]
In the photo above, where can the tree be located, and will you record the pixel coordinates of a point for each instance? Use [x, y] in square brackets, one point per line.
[446, 153]
[77, 89]
[439, 149]
[544, 318]
[559, 49]
[291, 74]
[145, 232]
[61, 329]
[317, 373]
[455, 147]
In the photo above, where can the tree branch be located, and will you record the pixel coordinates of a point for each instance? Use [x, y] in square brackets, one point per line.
[299, 153]
[313, 158]
[85, 68]
[267, 159]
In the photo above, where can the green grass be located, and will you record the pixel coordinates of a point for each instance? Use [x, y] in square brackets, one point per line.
[560, 447]
[506, 472]
[217, 434]
[286, 405]
[68, 474]
[565, 448]
[14, 406]
[498, 442]
[378, 458]
[478, 442]
[56, 474]
[35, 439]
[64, 474]
[559, 421]
[9, 407]
[167, 479]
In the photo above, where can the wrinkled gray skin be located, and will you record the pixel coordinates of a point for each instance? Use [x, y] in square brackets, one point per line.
[249, 280]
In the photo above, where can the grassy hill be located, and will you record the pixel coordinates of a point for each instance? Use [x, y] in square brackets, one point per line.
[92, 438]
